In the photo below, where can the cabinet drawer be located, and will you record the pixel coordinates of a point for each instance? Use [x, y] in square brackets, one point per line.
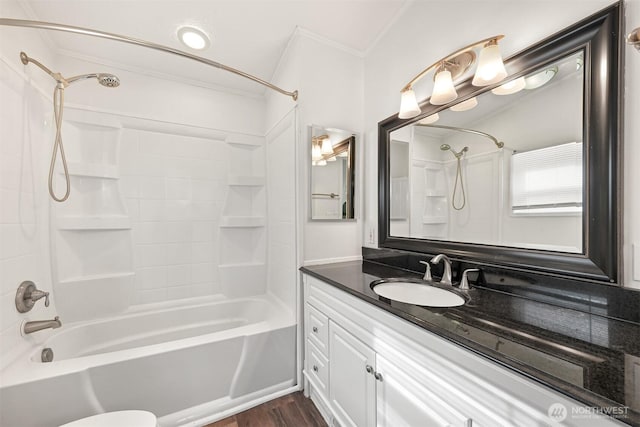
[318, 329]
[318, 368]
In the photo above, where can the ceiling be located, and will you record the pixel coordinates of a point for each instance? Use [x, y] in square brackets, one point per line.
[250, 35]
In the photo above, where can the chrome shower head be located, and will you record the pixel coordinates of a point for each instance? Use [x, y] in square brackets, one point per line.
[108, 80]
[447, 147]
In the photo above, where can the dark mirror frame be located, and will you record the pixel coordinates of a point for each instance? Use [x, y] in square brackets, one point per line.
[599, 37]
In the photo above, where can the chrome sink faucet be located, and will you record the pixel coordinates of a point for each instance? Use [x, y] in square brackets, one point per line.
[427, 271]
[446, 275]
[38, 325]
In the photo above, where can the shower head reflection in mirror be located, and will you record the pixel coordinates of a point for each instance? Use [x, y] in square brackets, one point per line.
[107, 80]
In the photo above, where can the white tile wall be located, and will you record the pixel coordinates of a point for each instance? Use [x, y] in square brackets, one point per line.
[175, 187]
[23, 209]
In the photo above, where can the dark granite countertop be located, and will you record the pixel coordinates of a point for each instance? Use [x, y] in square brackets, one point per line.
[575, 352]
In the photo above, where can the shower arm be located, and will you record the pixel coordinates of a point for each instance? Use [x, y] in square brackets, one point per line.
[499, 144]
[56, 76]
[139, 42]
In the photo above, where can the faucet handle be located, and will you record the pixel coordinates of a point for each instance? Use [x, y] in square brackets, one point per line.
[27, 295]
[38, 294]
[427, 272]
[464, 282]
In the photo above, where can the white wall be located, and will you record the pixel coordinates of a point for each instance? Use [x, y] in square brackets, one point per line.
[330, 83]
[410, 45]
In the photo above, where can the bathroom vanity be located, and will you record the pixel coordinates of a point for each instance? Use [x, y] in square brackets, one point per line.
[499, 360]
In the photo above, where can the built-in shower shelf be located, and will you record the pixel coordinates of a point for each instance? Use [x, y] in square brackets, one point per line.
[98, 277]
[245, 180]
[246, 141]
[242, 265]
[94, 223]
[93, 170]
[242, 221]
[434, 220]
[434, 193]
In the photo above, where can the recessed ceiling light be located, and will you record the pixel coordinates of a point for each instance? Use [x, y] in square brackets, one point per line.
[193, 37]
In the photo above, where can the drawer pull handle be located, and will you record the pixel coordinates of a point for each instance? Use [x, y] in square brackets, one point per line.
[378, 376]
[315, 368]
[370, 369]
[315, 329]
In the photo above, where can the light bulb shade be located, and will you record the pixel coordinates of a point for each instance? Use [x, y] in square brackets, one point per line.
[511, 87]
[490, 67]
[540, 79]
[443, 90]
[316, 153]
[332, 159]
[321, 163]
[466, 105]
[430, 119]
[408, 105]
[327, 148]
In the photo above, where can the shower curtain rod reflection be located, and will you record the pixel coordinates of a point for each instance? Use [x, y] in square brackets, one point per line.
[139, 42]
[499, 144]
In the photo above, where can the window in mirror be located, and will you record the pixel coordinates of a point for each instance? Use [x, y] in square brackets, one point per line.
[547, 181]
[332, 178]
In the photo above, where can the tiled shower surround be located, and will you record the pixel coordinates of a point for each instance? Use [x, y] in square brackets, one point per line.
[175, 188]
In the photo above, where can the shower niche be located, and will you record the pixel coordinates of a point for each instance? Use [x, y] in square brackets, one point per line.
[243, 223]
[91, 230]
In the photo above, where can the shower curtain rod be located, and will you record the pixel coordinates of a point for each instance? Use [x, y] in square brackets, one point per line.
[139, 42]
[499, 144]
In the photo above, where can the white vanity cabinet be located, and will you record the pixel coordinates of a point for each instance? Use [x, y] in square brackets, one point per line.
[352, 385]
[366, 367]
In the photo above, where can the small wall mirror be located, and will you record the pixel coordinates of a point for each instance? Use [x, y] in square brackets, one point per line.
[332, 177]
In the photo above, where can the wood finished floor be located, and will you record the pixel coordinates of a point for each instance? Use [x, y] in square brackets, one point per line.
[292, 410]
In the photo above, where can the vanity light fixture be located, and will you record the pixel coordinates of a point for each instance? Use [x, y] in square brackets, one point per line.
[316, 151]
[540, 79]
[511, 87]
[490, 70]
[320, 147]
[464, 106]
[327, 148]
[193, 37]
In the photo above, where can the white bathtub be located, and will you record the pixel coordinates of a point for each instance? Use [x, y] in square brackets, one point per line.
[188, 364]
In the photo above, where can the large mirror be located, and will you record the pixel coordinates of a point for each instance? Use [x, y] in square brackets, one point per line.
[523, 173]
[332, 177]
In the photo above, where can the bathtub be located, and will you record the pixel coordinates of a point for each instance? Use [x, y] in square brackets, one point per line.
[189, 364]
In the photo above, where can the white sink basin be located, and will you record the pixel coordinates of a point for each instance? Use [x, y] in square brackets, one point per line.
[418, 293]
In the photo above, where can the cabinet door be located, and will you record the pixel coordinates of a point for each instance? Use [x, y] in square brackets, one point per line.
[351, 379]
[402, 401]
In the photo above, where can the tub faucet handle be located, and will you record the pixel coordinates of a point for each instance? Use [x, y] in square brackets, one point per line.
[427, 271]
[38, 294]
[27, 295]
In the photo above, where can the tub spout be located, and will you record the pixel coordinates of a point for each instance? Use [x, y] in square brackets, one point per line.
[38, 325]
